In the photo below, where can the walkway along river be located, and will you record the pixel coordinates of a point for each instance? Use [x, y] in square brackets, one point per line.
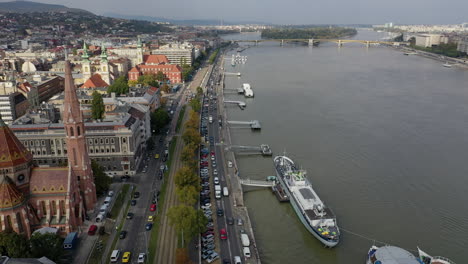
[383, 136]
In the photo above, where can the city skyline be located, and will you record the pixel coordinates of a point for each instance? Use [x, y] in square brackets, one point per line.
[297, 12]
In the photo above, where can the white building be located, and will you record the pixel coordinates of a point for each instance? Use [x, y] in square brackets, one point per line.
[463, 45]
[178, 53]
[429, 40]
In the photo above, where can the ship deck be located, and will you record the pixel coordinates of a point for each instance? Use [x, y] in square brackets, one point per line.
[313, 216]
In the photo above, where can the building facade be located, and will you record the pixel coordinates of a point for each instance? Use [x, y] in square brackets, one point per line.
[429, 40]
[34, 197]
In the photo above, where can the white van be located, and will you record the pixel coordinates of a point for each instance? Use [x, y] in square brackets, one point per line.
[108, 200]
[245, 240]
[210, 119]
[246, 251]
[99, 218]
[218, 194]
[237, 260]
[103, 208]
[115, 256]
[225, 191]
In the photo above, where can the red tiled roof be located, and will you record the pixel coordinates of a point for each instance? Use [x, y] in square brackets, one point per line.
[95, 81]
[49, 180]
[12, 152]
[155, 59]
[152, 90]
[10, 196]
[134, 69]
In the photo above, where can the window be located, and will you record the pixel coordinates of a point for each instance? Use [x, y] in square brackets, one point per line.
[78, 131]
[107, 141]
[72, 134]
[43, 142]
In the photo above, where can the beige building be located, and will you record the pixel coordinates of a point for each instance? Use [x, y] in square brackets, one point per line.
[463, 45]
[429, 40]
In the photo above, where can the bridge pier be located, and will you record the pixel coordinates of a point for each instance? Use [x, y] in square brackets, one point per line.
[256, 42]
[311, 42]
[282, 43]
[367, 44]
[340, 44]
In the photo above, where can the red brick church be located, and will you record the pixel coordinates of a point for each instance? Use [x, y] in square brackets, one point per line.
[35, 197]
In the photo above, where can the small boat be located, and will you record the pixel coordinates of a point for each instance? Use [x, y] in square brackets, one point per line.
[447, 65]
[428, 259]
[409, 53]
[390, 254]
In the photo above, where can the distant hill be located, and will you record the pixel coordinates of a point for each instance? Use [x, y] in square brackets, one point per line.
[30, 7]
[197, 22]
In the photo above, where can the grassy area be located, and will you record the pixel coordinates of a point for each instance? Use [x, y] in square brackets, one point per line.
[155, 231]
[181, 118]
[120, 199]
[96, 255]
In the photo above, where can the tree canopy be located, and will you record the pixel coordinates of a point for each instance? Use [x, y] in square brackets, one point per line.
[14, 245]
[187, 221]
[97, 106]
[49, 245]
[186, 176]
[101, 180]
[188, 194]
[120, 86]
[148, 80]
[308, 33]
[159, 119]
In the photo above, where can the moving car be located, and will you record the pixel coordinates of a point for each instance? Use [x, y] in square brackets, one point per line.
[148, 226]
[126, 257]
[122, 234]
[141, 258]
[153, 207]
[92, 230]
[223, 234]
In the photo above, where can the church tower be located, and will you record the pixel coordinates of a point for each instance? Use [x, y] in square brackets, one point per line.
[85, 63]
[78, 158]
[105, 71]
[139, 52]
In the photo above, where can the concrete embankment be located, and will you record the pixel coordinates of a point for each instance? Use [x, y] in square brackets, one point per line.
[233, 175]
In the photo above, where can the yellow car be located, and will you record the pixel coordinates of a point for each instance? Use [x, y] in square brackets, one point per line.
[126, 257]
[150, 218]
[156, 156]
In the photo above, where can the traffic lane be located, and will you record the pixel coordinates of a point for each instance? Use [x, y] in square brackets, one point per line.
[136, 240]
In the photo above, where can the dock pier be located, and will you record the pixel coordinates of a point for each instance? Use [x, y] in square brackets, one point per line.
[263, 150]
[254, 124]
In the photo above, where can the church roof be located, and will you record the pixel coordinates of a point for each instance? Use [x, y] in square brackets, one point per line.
[155, 59]
[95, 81]
[10, 196]
[47, 180]
[12, 151]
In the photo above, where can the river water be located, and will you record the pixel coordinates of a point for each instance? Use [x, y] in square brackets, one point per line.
[383, 136]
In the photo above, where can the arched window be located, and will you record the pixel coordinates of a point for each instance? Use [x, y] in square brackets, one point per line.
[72, 134]
[78, 131]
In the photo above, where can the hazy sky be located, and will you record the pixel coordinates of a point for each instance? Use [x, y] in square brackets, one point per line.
[287, 11]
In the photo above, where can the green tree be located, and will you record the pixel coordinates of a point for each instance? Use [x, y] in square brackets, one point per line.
[148, 80]
[187, 221]
[188, 155]
[49, 245]
[187, 195]
[160, 76]
[159, 119]
[101, 180]
[97, 106]
[75, 51]
[196, 105]
[150, 143]
[199, 91]
[165, 88]
[191, 135]
[14, 245]
[120, 86]
[132, 83]
[186, 176]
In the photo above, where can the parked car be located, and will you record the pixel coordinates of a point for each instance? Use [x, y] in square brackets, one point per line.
[130, 215]
[148, 226]
[122, 234]
[153, 207]
[136, 195]
[92, 230]
[239, 221]
[133, 203]
[126, 257]
[216, 180]
[141, 258]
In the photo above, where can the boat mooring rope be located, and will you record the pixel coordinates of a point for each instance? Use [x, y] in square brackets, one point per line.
[374, 240]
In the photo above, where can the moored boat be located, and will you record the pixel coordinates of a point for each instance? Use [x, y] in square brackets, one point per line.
[317, 218]
[428, 259]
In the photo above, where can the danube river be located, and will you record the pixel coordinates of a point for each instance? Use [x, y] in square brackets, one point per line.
[383, 136]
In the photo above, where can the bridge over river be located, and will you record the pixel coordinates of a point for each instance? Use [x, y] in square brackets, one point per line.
[315, 42]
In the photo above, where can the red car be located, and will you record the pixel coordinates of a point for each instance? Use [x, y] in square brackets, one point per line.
[223, 234]
[153, 207]
[92, 230]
